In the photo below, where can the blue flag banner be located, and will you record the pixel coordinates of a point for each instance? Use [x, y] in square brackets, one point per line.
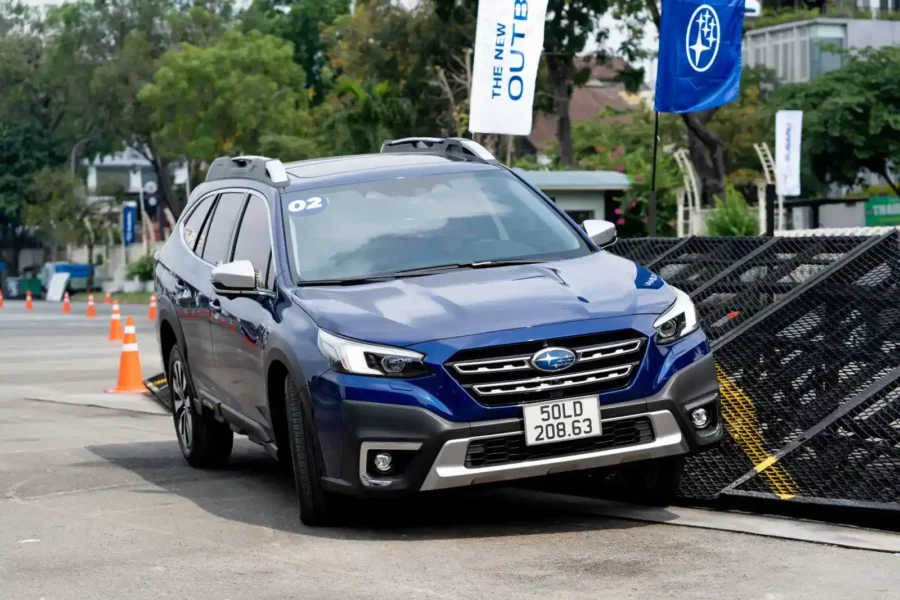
[129, 216]
[699, 54]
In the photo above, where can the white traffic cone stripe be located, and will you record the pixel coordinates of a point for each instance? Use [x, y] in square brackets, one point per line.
[129, 329]
[130, 347]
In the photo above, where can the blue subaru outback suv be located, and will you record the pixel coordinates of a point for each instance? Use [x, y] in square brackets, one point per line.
[422, 319]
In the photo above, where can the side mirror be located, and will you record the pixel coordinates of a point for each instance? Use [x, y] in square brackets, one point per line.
[602, 232]
[235, 279]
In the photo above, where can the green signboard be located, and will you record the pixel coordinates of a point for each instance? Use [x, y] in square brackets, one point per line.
[882, 210]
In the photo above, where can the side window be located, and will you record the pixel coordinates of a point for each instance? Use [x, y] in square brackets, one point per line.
[218, 238]
[194, 222]
[253, 238]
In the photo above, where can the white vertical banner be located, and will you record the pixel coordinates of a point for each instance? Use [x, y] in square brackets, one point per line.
[788, 128]
[508, 45]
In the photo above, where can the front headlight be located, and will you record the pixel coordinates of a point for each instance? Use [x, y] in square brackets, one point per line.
[359, 358]
[678, 321]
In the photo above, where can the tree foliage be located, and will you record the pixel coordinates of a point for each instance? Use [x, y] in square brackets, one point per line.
[220, 100]
[621, 141]
[851, 118]
[731, 216]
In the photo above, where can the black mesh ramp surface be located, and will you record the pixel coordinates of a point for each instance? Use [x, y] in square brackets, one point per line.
[764, 278]
[853, 460]
[700, 259]
[811, 349]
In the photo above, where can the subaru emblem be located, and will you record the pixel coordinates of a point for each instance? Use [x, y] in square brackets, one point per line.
[553, 359]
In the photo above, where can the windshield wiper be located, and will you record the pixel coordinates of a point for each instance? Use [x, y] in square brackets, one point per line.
[484, 264]
[420, 272]
[350, 281]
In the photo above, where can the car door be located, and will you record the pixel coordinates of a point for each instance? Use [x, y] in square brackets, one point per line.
[239, 341]
[190, 278]
[217, 240]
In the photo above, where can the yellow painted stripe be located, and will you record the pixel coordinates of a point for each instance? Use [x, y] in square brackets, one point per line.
[742, 424]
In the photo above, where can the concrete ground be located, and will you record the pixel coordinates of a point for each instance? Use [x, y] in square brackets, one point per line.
[98, 503]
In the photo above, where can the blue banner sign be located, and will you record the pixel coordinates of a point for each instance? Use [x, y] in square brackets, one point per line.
[129, 218]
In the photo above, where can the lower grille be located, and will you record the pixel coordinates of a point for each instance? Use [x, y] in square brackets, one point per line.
[507, 449]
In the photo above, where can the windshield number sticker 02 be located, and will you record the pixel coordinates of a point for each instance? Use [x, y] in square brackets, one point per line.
[562, 420]
[309, 206]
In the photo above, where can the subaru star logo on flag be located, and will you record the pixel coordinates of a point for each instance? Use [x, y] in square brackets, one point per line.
[699, 54]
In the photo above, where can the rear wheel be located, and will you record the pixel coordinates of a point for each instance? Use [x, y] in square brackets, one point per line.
[656, 482]
[317, 507]
[205, 443]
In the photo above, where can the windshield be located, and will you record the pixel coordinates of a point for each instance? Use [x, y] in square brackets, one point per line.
[383, 227]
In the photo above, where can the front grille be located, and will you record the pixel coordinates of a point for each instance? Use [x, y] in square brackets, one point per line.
[507, 449]
[502, 375]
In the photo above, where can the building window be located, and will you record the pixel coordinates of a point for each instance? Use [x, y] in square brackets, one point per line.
[825, 42]
[803, 51]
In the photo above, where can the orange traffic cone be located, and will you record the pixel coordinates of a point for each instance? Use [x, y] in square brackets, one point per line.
[107, 299]
[67, 306]
[115, 324]
[91, 311]
[130, 380]
[151, 313]
[29, 303]
[1, 298]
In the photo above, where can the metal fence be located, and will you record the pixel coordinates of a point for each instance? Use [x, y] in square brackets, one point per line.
[806, 334]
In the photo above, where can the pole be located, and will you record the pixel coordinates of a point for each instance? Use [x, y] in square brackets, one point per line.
[770, 210]
[652, 211]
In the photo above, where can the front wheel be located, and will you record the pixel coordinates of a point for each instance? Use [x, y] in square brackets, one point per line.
[205, 443]
[317, 506]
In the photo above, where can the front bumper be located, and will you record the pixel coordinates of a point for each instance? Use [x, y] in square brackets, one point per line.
[437, 449]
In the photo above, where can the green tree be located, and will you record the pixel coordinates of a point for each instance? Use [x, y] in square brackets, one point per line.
[302, 24]
[39, 108]
[360, 116]
[851, 118]
[621, 141]
[731, 216]
[206, 102]
[125, 41]
[24, 150]
[571, 24]
[59, 208]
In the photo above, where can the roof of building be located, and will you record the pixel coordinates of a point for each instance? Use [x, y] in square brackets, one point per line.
[576, 180]
[588, 101]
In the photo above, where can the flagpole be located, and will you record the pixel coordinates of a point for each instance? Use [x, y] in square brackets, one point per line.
[652, 211]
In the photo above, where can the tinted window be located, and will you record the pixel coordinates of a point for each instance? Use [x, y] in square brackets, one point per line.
[253, 237]
[194, 222]
[418, 222]
[218, 239]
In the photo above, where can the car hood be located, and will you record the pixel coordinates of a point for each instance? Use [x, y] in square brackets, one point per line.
[412, 310]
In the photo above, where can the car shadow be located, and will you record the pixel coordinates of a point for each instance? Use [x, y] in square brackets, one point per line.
[254, 490]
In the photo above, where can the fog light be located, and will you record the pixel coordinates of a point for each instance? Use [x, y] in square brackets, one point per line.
[700, 418]
[383, 462]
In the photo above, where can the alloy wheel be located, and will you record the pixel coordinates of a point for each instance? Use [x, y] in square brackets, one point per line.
[182, 404]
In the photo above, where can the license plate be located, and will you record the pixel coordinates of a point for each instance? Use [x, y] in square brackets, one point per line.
[562, 420]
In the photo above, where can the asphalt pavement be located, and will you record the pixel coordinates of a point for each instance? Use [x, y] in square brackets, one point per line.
[96, 502]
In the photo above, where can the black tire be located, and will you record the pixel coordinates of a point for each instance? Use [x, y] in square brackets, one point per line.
[205, 443]
[656, 482]
[317, 507]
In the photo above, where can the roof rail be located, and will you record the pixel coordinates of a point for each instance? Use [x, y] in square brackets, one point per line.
[270, 171]
[460, 148]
